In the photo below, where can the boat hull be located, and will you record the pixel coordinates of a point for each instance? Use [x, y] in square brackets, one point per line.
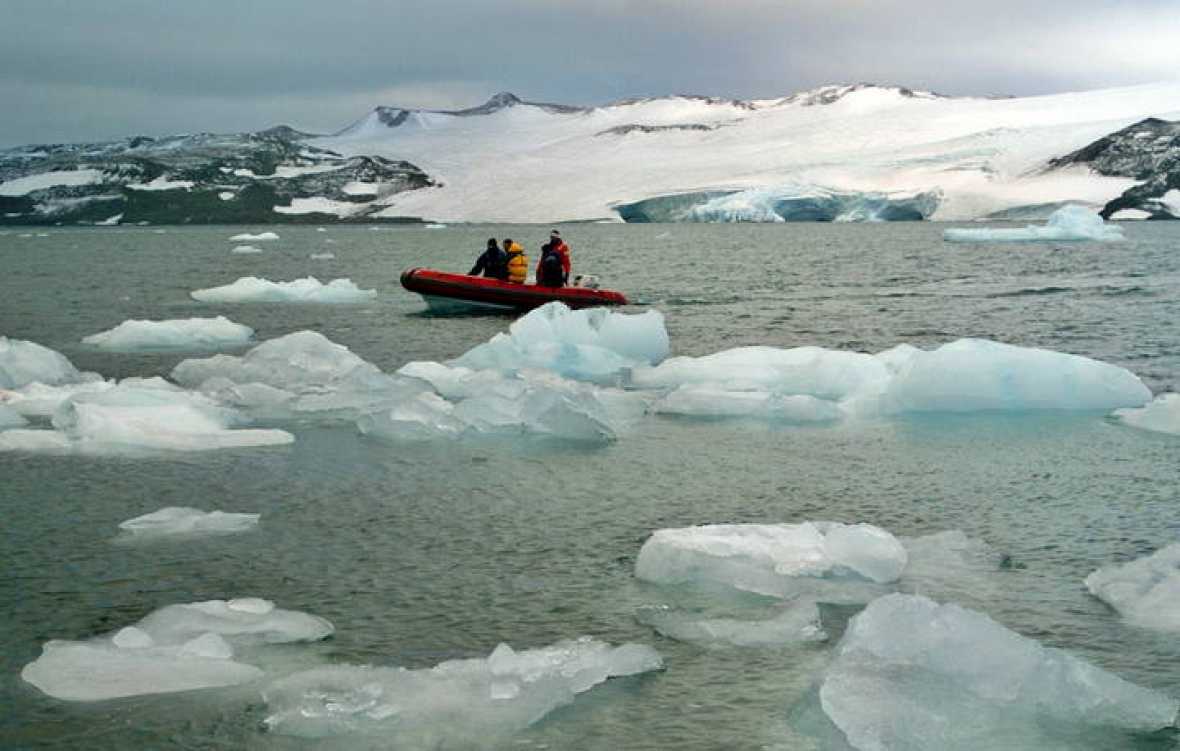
[444, 291]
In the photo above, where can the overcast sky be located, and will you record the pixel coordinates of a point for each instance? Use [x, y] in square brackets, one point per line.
[76, 70]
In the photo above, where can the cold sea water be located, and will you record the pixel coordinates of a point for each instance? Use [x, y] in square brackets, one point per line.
[425, 552]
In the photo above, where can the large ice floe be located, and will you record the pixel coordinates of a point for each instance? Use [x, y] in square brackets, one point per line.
[175, 648]
[182, 521]
[456, 704]
[912, 674]
[139, 416]
[1161, 415]
[251, 289]
[180, 334]
[1146, 591]
[1068, 223]
[808, 384]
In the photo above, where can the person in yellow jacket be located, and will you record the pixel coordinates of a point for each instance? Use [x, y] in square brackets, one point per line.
[518, 262]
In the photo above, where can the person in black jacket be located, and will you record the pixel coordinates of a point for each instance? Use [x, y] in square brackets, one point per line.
[493, 262]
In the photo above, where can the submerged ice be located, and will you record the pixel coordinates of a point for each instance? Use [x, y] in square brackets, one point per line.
[1146, 591]
[176, 648]
[251, 289]
[912, 674]
[181, 334]
[1069, 223]
[1161, 415]
[454, 704]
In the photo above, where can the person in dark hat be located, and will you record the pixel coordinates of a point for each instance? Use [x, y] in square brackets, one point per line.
[553, 268]
[493, 262]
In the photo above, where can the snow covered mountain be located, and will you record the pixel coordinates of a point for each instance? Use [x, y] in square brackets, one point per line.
[837, 153]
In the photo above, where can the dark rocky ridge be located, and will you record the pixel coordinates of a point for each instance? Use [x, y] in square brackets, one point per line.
[1148, 151]
[235, 179]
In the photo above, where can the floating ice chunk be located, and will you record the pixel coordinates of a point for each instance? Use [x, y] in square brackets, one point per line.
[798, 622]
[1146, 591]
[306, 290]
[828, 561]
[1066, 223]
[140, 415]
[244, 621]
[246, 249]
[977, 374]
[176, 648]
[181, 334]
[710, 401]
[39, 400]
[246, 237]
[590, 344]
[911, 674]
[99, 669]
[180, 520]
[454, 704]
[1162, 415]
[303, 374]
[22, 363]
[322, 256]
[10, 418]
[36, 441]
[811, 371]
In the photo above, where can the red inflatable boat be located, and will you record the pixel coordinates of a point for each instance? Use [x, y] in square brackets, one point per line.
[444, 291]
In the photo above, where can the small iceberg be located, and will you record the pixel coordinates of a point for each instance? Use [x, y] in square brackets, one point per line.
[824, 561]
[1068, 223]
[322, 256]
[23, 362]
[1146, 591]
[175, 521]
[246, 249]
[912, 674]
[173, 335]
[246, 237]
[251, 289]
[175, 648]
[1161, 415]
[476, 702]
[303, 375]
[587, 345]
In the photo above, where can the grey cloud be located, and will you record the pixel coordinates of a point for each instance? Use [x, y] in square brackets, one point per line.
[147, 66]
